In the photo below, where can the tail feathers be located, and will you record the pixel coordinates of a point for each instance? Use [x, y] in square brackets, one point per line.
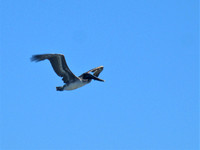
[59, 88]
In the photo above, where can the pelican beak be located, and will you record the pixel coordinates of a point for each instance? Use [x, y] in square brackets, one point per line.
[96, 78]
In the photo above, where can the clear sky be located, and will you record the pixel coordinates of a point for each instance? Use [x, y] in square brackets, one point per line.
[149, 50]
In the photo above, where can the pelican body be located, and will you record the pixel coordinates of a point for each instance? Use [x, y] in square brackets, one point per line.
[61, 69]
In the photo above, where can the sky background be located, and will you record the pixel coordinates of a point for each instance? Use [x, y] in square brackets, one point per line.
[149, 50]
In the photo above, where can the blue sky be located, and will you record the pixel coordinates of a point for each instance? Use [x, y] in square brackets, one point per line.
[149, 50]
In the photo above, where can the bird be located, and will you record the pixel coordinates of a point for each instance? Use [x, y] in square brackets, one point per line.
[61, 68]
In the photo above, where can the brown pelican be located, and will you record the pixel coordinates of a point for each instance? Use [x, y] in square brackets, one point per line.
[60, 67]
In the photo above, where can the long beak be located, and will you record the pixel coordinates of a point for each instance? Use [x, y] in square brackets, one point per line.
[96, 78]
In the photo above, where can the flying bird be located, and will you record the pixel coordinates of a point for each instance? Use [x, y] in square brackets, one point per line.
[61, 69]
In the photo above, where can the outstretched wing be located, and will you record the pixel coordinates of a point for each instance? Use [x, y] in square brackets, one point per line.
[96, 71]
[59, 65]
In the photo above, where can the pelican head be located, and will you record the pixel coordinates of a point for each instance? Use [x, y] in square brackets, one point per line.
[89, 77]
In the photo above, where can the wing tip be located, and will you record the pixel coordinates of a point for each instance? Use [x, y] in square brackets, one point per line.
[35, 58]
[40, 57]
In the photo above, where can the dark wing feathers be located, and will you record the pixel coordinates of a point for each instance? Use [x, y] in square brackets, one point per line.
[59, 65]
[41, 57]
[96, 71]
